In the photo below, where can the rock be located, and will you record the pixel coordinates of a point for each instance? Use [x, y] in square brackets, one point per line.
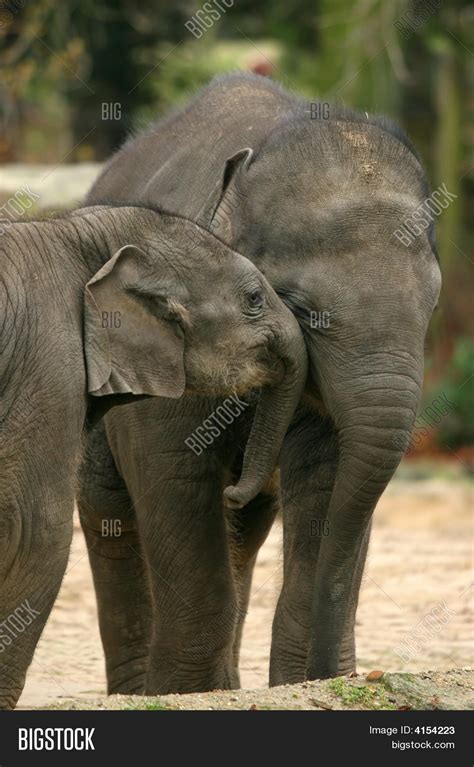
[439, 690]
[374, 676]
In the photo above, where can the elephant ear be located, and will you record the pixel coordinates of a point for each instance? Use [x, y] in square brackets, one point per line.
[226, 197]
[132, 345]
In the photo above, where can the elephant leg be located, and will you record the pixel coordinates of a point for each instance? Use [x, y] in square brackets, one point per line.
[308, 468]
[123, 599]
[35, 538]
[347, 657]
[244, 576]
[195, 601]
[178, 496]
[249, 528]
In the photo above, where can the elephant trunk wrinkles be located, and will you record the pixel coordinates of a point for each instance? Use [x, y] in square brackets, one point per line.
[274, 412]
[373, 430]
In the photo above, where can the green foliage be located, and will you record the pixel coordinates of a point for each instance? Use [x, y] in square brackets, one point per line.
[148, 704]
[194, 63]
[366, 696]
[457, 427]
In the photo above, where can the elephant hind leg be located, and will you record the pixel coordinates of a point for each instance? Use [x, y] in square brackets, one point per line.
[118, 569]
[248, 530]
[35, 538]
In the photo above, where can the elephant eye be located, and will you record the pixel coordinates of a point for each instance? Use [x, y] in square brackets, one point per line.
[255, 301]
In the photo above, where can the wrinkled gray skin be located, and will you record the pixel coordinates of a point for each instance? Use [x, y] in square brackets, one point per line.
[152, 320]
[314, 204]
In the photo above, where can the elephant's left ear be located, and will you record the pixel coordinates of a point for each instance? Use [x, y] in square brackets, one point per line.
[131, 345]
[226, 196]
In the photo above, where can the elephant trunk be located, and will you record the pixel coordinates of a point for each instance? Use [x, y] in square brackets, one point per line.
[273, 415]
[374, 421]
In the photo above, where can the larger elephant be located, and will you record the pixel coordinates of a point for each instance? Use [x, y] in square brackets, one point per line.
[315, 204]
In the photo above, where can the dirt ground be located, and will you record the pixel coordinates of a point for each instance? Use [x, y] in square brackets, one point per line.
[420, 559]
[423, 690]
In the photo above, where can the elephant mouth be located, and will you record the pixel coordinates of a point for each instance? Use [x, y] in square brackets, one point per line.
[222, 376]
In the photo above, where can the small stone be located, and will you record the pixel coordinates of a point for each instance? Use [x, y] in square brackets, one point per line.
[374, 676]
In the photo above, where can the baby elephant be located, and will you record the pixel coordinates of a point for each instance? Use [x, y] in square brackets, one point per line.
[89, 321]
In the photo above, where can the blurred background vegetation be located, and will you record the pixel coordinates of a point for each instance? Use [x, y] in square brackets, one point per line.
[410, 59]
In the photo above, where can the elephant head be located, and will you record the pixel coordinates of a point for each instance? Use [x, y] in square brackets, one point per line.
[318, 210]
[185, 314]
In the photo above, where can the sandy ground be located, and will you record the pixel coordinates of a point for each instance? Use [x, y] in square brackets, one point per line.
[420, 559]
[422, 690]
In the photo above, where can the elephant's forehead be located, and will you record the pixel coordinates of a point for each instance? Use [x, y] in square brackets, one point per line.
[339, 159]
[304, 203]
[342, 223]
[359, 215]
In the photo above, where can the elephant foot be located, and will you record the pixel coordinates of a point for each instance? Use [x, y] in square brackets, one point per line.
[133, 686]
[287, 667]
[318, 668]
[128, 677]
[289, 652]
[315, 673]
[289, 661]
[175, 675]
[174, 686]
[9, 695]
[347, 667]
[8, 701]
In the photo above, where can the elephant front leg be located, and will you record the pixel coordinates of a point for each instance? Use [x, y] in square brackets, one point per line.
[308, 468]
[195, 602]
[35, 538]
